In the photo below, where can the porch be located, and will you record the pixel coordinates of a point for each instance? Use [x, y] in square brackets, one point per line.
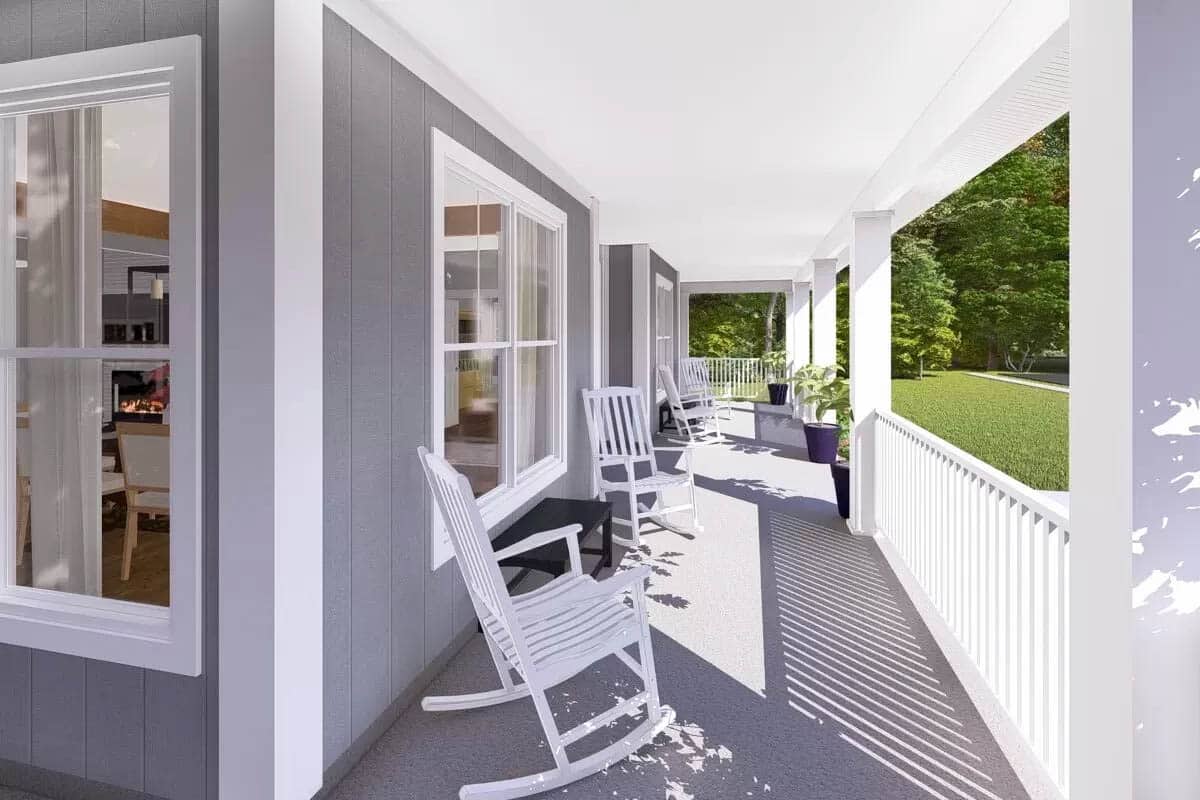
[796, 661]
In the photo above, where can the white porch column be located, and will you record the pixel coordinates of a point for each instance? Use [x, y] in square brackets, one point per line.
[824, 311]
[797, 325]
[270, 404]
[870, 354]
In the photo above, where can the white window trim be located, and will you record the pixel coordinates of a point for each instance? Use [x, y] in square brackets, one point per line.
[663, 282]
[514, 491]
[166, 639]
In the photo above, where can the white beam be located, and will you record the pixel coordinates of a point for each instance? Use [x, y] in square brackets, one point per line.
[870, 355]
[824, 311]
[799, 352]
[1104, 396]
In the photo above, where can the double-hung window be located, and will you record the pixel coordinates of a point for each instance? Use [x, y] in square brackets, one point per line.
[498, 331]
[100, 354]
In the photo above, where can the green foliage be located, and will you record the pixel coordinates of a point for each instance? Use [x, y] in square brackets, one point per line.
[833, 395]
[809, 379]
[777, 366]
[1020, 430]
[922, 312]
[734, 325]
[1002, 239]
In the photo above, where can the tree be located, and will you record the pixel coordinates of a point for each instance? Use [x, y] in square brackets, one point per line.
[732, 325]
[922, 312]
[1003, 241]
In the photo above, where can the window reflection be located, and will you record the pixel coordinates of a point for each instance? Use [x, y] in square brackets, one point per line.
[473, 416]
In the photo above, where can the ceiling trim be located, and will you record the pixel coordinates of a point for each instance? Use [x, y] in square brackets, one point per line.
[371, 22]
[968, 127]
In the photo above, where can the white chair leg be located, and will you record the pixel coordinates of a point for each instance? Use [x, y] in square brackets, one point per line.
[634, 520]
[462, 702]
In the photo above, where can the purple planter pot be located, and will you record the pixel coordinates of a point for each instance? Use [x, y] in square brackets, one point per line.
[822, 440]
[778, 393]
[841, 486]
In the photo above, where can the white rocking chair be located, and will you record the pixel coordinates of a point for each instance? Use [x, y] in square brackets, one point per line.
[695, 383]
[698, 418]
[619, 431]
[547, 636]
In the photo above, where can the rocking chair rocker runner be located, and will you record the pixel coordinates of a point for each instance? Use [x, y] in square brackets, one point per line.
[546, 636]
[620, 436]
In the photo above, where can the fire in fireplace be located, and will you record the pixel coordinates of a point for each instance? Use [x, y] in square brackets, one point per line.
[140, 395]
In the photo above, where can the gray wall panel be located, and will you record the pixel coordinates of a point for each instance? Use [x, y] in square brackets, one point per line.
[16, 694]
[439, 586]
[370, 381]
[427, 610]
[115, 22]
[59, 27]
[620, 315]
[59, 699]
[178, 758]
[60, 712]
[337, 387]
[16, 30]
[410, 350]
[115, 720]
[167, 18]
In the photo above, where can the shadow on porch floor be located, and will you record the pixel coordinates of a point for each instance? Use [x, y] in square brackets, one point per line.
[796, 664]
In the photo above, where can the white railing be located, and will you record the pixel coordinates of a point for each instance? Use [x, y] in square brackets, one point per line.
[992, 555]
[737, 378]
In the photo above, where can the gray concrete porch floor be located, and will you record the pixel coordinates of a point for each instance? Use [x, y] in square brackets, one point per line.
[796, 663]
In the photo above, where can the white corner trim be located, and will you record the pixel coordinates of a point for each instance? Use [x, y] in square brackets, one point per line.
[372, 22]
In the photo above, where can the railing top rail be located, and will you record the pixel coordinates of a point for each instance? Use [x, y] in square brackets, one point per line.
[726, 358]
[1036, 501]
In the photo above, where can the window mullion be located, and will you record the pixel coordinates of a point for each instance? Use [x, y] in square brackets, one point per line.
[510, 366]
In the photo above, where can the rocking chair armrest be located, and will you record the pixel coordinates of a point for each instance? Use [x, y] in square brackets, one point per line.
[568, 533]
[623, 581]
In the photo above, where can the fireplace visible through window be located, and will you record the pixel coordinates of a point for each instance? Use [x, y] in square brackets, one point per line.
[140, 396]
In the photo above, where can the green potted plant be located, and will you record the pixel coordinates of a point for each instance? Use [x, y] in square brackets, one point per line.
[806, 382]
[777, 367]
[822, 438]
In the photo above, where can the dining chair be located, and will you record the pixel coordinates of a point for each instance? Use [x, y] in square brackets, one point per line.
[145, 449]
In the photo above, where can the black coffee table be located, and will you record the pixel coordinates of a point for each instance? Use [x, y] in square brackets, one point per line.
[554, 558]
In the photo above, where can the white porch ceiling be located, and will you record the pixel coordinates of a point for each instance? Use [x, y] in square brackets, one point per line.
[733, 139]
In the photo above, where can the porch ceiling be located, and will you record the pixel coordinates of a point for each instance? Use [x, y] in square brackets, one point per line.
[733, 141]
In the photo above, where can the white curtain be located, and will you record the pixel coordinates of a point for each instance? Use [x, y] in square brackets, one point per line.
[63, 303]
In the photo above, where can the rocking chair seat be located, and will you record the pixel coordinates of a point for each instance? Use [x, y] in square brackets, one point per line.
[650, 483]
[566, 626]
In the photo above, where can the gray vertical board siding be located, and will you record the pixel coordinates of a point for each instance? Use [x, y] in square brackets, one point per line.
[439, 585]
[16, 30]
[337, 386]
[114, 741]
[167, 18]
[16, 697]
[370, 382]
[115, 22]
[659, 266]
[620, 315]
[88, 718]
[178, 756]
[59, 694]
[410, 376]
[59, 27]
[389, 520]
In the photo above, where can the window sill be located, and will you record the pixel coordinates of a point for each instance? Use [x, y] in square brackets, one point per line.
[504, 504]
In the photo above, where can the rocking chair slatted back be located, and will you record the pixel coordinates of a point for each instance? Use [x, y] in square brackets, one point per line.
[694, 378]
[617, 424]
[469, 537]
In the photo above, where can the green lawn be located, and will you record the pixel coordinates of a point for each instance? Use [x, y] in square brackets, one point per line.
[1020, 430]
